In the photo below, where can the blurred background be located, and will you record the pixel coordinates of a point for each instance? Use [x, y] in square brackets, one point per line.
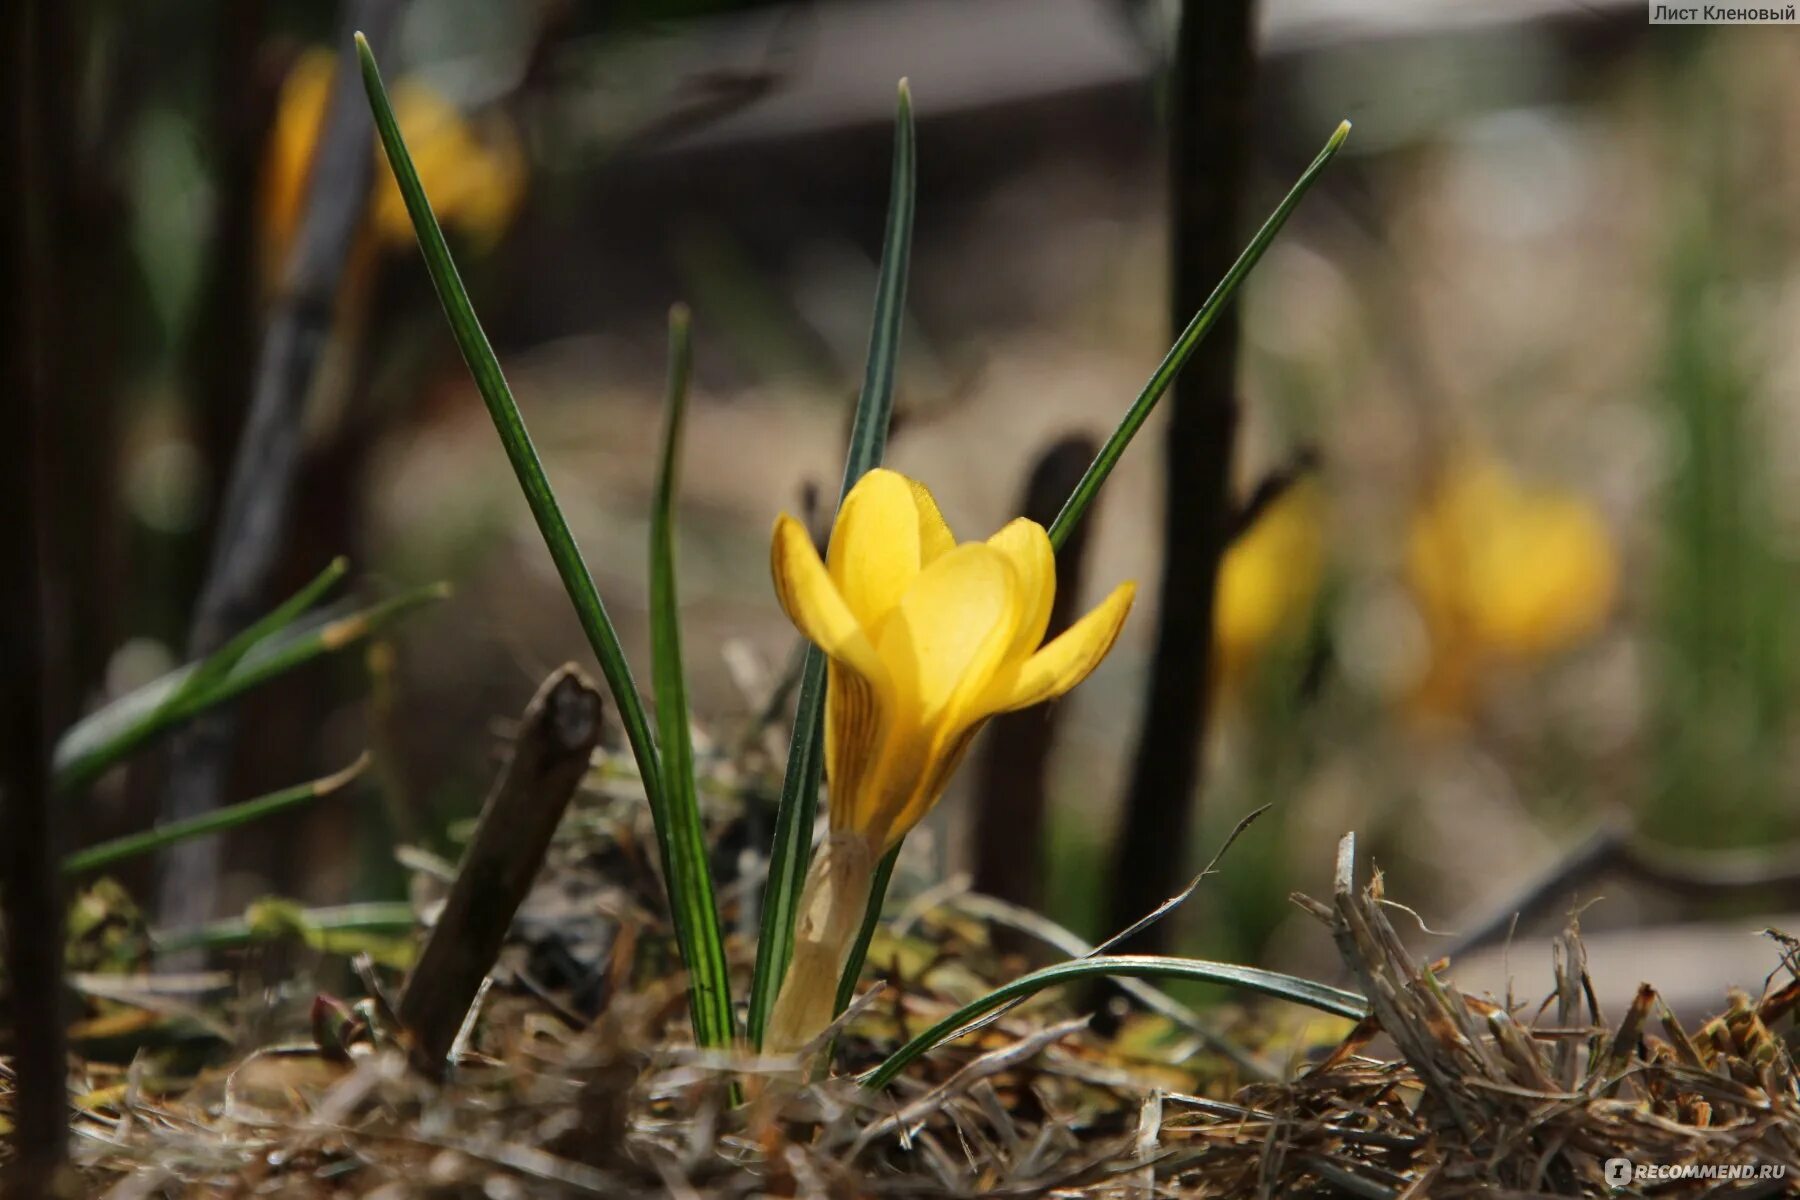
[1518, 389]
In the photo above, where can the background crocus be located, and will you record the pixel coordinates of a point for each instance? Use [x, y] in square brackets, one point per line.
[1503, 571]
[477, 175]
[927, 639]
[1269, 582]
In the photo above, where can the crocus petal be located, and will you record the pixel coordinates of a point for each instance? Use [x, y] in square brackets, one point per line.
[856, 725]
[1027, 547]
[949, 635]
[931, 767]
[1067, 659]
[812, 601]
[874, 553]
[935, 538]
[951, 638]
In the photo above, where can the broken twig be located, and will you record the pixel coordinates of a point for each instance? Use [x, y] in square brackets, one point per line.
[558, 732]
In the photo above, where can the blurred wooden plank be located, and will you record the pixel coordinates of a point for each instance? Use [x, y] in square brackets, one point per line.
[1290, 26]
[1691, 965]
[964, 55]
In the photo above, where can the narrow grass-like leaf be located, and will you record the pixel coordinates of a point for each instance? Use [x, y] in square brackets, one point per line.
[791, 849]
[218, 664]
[382, 918]
[691, 899]
[106, 854]
[875, 407]
[491, 383]
[106, 737]
[1178, 355]
[1269, 983]
[859, 950]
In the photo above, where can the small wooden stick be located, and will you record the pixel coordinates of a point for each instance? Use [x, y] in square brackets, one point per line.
[556, 736]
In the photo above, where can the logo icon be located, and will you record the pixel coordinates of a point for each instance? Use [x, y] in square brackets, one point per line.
[1618, 1172]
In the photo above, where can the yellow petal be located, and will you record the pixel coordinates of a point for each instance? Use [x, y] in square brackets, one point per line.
[874, 551]
[931, 766]
[1269, 579]
[855, 728]
[1027, 547]
[935, 538]
[1549, 577]
[950, 633]
[1509, 567]
[812, 601]
[287, 161]
[1065, 661]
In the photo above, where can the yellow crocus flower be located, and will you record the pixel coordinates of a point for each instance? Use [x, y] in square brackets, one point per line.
[1502, 571]
[288, 154]
[927, 639]
[476, 181]
[1268, 580]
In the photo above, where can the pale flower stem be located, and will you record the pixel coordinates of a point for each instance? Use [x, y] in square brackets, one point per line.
[831, 911]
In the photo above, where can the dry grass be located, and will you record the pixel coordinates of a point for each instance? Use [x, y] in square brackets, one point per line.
[585, 1082]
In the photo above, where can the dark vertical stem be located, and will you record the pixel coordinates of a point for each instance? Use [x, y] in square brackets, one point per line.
[1014, 770]
[89, 339]
[221, 353]
[30, 157]
[260, 492]
[1210, 100]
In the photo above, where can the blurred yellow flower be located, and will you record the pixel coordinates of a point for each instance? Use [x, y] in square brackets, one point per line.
[476, 181]
[1269, 580]
[927, 639]
[1502, 571]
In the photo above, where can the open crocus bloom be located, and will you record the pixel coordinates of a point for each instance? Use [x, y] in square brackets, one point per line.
[927, 640]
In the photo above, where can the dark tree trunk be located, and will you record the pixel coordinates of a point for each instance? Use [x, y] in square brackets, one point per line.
[1210, 99]
[33, 160]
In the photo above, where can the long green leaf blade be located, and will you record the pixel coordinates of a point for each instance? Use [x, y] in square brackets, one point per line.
[794, 816]
[1268, 983]
[859, 949]
[218, 664]
[691, 899]
[134, 845]
[875, 407]
[1178, 355]
[790, 849]
[106, 737]
[491, 383]
[381, 917]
